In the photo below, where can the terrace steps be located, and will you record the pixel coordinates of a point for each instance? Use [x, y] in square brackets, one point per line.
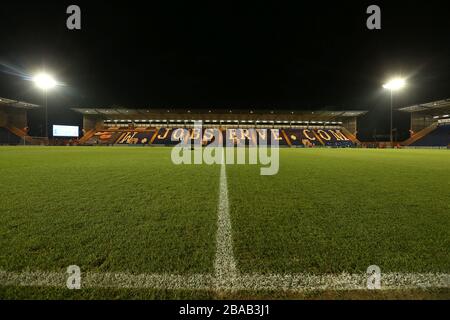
[286, 138]
[87, 136]
[20, 133]
[350, 135]
[419, 135]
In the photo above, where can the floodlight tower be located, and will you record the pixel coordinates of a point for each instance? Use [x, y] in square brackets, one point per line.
[393, 85]
[45, 82]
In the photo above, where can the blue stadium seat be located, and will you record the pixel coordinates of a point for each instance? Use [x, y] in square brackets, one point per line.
[8, 138]
[439, 137]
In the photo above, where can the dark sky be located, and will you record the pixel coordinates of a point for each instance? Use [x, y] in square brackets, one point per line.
[215, 54]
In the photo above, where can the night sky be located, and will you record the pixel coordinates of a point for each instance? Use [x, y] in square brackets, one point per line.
[300, 55]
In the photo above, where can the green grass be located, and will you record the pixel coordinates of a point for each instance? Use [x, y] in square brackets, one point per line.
[40, 293]
[106, 209]
[333, 210]
[129, 209]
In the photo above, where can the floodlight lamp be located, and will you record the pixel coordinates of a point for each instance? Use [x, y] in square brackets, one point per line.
[44, 81]
[395, 84]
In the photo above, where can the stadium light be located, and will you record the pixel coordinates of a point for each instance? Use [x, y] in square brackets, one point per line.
[392, 85]
[45, 82]
[395, 84]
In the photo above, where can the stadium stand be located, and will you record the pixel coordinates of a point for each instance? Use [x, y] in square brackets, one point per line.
[8, 138]
[290, 128]
[439, 137]
[316, 137]
[164, 137]
[14, 122]
[102, 138]
[173, 136]
[430, 124]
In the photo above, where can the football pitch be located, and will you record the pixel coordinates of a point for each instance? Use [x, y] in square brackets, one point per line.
[141, 227]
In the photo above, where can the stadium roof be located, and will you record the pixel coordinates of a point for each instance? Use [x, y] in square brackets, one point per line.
[17, 104]
[220, 114]
[432, 108]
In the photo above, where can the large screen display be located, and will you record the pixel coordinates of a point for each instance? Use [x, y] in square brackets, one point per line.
[65, 131]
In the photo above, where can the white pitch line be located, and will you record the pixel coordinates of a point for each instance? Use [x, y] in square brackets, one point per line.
[245, 282]
[344, 281]
[33, 279]
[149, 281]
[225, 271]
[108, 280]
